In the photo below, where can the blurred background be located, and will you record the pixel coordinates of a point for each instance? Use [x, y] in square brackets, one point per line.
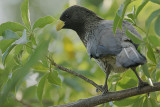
[68, 51]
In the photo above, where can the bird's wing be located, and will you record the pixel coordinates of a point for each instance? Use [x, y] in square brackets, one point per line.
[104, 42]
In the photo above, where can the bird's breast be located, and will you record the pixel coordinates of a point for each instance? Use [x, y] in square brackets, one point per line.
[109, 61]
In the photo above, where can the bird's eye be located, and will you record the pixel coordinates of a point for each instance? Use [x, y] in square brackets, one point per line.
[67, 16]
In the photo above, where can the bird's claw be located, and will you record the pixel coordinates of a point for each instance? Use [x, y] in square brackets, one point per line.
[104, 90]
[100, 88]
[142, 84]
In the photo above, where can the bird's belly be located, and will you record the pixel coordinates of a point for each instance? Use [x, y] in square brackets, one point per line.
[109, 61]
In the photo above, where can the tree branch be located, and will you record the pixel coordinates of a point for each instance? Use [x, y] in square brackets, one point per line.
[112, 96]
[75, 74]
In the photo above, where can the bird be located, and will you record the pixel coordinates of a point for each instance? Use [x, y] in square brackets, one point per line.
[113, 53]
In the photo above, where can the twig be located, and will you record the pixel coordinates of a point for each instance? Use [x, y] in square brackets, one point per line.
[112, 96]
[75, 74]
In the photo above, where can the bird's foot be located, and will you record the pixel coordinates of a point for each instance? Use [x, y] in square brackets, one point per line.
[104, 90]
[100, 88]
[142, 84]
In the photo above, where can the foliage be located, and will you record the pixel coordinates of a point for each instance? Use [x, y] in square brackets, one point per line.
[24, 49]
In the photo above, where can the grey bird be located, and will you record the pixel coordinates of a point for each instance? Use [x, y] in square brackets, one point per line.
[112, 52]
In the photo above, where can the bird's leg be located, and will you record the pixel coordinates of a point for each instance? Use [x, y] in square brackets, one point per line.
[105, 87]
[141, 83]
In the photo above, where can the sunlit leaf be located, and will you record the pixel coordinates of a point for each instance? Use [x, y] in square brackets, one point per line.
[40, 67]
[40, 87]
[25, 14]
[53, 78]
[9, 34]
[158, 74]
[150, 54]
[155, 41]
[43, 21]
[133, 37]
[157, 26]
[155, 1]
[129, 20]
[145, 70]
[12, 26]
[4, 57]
[130, 15]
[151, 17]
[144, 2]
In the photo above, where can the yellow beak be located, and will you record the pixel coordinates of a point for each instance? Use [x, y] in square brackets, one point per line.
[59, 25]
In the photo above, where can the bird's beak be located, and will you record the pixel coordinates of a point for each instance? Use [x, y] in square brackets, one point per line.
[59, 25]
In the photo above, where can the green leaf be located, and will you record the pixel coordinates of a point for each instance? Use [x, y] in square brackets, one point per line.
[147, 103]
[133, 37]
[53, 78]
[40, 87]
[130, 15]
[18, 49]
[145, 70]
[73, 83]
[120, 15]
[23, 39]
[9, 34]
[155, 1]
[33, 40]
[43, 21]
[19, 75]
[139, 102]
[4, 57]
[150, 54]
[125, 102]
[151, 17]
[25, 14]
[40, 67]
[4, 44]
[141, 7]
[12, 26]
[107, 105]
[115, 23]
[29, 48]
[157, 26]
[154, 40]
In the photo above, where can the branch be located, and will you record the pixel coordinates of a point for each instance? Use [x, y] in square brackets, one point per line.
[112, 96]
[75, 74]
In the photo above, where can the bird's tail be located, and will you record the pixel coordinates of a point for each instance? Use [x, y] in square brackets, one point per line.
[130, 57]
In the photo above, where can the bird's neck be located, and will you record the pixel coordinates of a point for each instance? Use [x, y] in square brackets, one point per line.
[87, 27]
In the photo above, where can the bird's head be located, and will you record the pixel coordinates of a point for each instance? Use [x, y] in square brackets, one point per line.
[75, 17]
